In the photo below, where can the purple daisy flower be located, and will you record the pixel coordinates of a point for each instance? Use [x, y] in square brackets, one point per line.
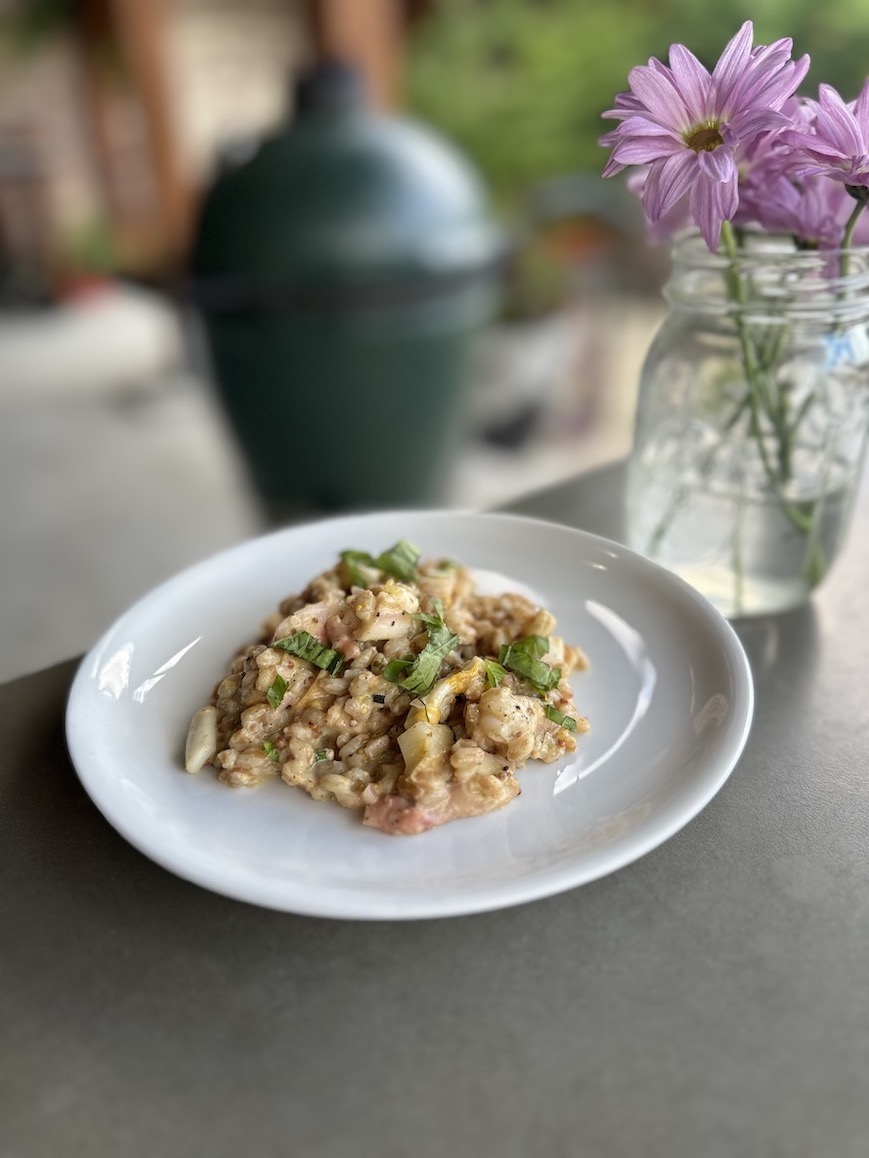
[812, 210]
[776, 195]
[837, 145]
[686, 124]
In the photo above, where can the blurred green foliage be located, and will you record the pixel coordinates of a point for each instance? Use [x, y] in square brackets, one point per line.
[521, 84]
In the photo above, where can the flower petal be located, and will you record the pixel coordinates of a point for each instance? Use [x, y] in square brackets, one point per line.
[644, 150]
[809, 145]
[836, 172]
[667, 182]
[692, 80]
[750, 122]
[718, 164]
[626, 104]
[712, 203]
[861, 111]
[659, 95]
[732, 63]
[837, 123]
[770, 83]
[768, 80]
[641, 126]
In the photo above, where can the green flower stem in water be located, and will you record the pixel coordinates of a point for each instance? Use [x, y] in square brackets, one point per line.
[845, 254]
[762, 398]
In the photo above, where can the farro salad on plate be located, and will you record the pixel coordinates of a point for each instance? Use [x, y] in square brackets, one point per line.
[391, 685]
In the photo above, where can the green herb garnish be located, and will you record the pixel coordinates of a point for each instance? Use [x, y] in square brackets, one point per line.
[422, 671]
[320, 755]
[399, 561]
[306, 647]
[552, 713]
[433, 622]
[533, 645]
[271, 751]
[523, 657]
[354, 561]
[494, 672]
[396, 668]
[275, 694]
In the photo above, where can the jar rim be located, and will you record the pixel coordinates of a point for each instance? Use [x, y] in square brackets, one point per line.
[774, 277]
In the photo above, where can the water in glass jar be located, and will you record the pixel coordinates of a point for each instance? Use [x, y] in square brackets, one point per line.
[737, 547]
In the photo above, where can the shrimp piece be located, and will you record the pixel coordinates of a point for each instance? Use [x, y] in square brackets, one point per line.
[387, 613]
[516, 727]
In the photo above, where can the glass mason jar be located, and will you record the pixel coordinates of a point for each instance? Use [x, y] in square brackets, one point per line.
[752, 421]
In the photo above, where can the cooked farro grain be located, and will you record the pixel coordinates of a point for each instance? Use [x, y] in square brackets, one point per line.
[391, 686]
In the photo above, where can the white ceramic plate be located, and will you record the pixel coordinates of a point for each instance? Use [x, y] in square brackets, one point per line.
[668, 694]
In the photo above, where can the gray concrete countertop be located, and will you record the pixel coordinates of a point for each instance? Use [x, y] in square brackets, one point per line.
[711, 999]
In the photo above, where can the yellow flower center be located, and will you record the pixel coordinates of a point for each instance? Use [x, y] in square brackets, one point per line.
[704, 139]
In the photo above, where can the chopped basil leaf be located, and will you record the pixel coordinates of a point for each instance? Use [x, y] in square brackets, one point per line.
[379, 699]
[433, 622]
[534, 645]
[494, 672]
[306, 647]
[423, 670]
[522, 657]
[271, 751]
[552, 713]
[275, 694]
[354, 561]
[427, 665]
[400, 561]
[396, 668]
